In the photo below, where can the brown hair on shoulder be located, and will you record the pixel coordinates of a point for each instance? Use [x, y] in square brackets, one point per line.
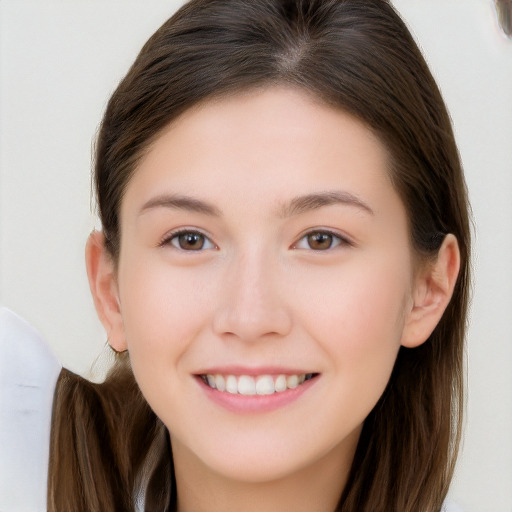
[106, 446]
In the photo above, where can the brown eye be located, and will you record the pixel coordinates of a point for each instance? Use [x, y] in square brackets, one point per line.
[191, 241]
[320, 241]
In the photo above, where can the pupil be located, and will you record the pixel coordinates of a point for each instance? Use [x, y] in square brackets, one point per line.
[191, 241]
[320, 241]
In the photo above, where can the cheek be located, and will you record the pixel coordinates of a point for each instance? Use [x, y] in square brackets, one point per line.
[358, 319]
[163, 309]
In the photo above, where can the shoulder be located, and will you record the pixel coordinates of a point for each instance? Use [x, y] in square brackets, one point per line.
[24, 354]
[28, 374]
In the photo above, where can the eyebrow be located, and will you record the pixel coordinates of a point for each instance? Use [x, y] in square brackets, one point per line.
[180, 202]
[296, 206]
[302, 204]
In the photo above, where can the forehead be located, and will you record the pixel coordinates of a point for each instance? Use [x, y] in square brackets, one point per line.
[262, 145]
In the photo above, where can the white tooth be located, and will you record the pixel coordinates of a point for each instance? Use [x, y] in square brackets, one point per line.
[302, 378]
[211, 381]
[280, 383]
[246, 385]
[231, 384]
[265, 385]
[220, 383]
[292, 381]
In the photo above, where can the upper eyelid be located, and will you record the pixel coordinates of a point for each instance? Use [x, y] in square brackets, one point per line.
[343, 237]
[180, 231]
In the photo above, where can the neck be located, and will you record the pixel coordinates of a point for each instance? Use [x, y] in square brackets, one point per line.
[316, 487]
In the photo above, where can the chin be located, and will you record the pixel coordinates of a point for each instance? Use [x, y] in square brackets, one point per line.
[258, 470]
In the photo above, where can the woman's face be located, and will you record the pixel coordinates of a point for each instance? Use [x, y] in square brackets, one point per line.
[263, 250]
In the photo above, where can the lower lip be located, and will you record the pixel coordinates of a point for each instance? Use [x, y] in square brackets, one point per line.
[238, 403]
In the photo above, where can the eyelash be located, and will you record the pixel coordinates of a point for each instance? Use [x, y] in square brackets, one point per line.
[336, 240]
[168, 240]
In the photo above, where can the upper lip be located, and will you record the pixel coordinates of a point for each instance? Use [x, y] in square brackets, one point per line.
[252, 371]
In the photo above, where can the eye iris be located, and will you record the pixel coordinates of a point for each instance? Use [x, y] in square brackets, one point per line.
[320, 241]
[191, 241]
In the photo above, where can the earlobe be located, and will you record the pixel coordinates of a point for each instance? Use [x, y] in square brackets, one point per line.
[433, 290]
[101, 272]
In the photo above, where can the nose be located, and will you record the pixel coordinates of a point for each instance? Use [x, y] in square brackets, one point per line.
[253, 300]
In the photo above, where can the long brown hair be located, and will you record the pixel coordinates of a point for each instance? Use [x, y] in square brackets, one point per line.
[107, 445]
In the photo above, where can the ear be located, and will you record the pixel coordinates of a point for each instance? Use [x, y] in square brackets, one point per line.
[433, 289]
[101, 272]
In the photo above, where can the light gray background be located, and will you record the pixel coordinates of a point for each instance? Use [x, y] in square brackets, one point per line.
[60, 60]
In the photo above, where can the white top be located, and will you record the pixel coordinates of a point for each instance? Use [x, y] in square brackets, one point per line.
[28, 374]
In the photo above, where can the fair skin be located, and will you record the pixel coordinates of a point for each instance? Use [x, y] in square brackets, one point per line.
[297, 263]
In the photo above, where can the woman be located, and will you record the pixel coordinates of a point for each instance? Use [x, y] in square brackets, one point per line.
[284, 257]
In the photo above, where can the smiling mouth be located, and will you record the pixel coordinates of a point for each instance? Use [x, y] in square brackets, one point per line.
[255, 385]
